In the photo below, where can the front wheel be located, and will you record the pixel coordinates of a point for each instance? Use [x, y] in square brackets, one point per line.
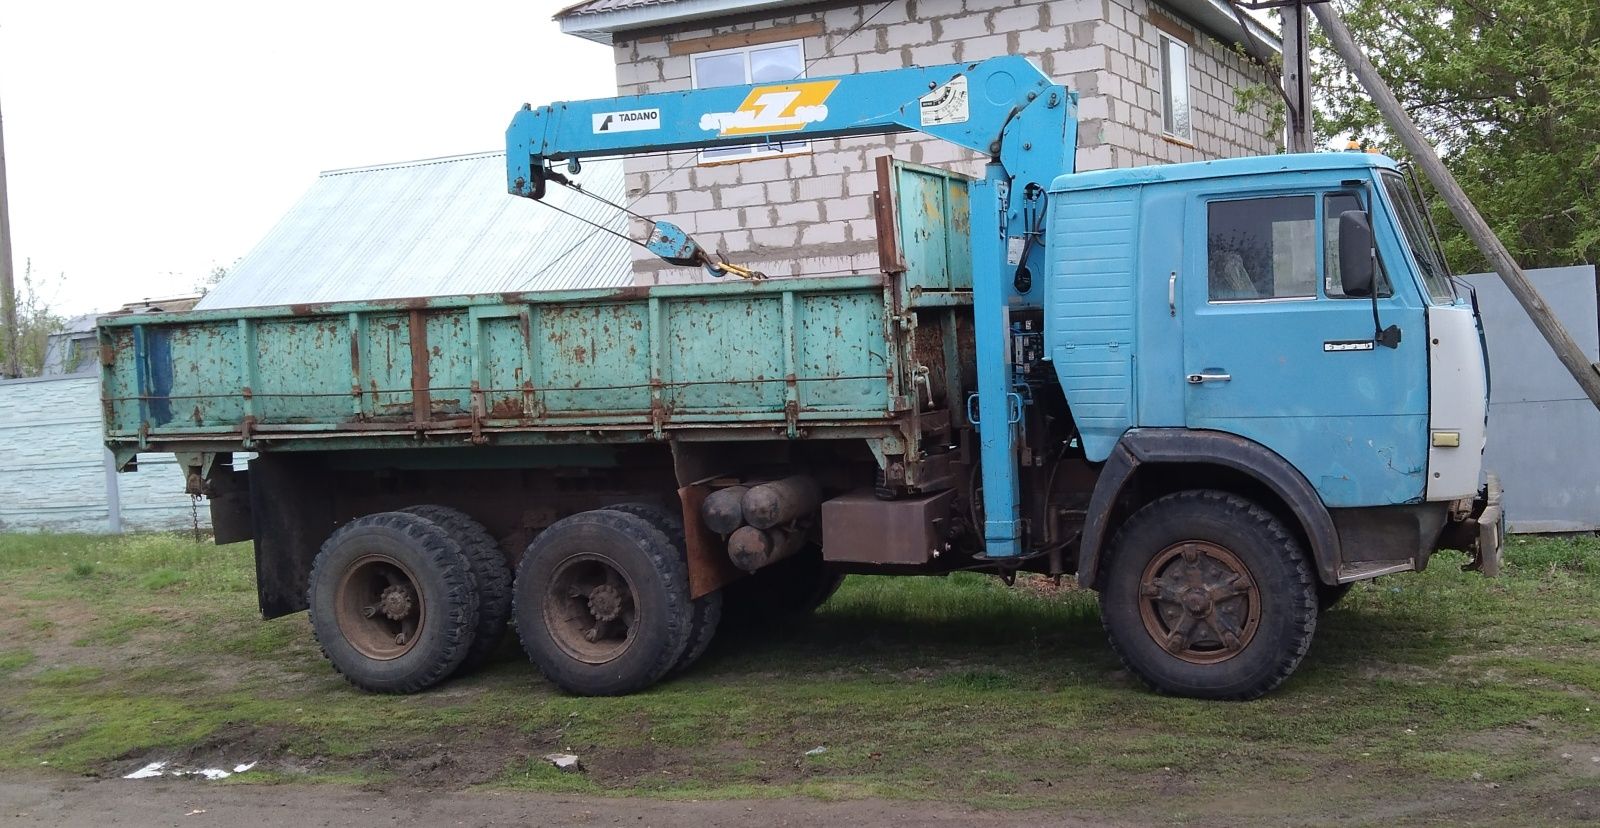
[1208, 595]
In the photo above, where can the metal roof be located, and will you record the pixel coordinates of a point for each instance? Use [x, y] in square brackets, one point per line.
[598, 20]
[437, 227]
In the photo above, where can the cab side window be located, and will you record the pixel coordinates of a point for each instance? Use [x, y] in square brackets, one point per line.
[1333, 205]
[1262, 248]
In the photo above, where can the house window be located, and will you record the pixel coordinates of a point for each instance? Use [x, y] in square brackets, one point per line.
[1175, 88]
[765, 63]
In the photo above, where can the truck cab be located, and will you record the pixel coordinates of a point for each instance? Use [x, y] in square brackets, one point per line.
[1220, 309]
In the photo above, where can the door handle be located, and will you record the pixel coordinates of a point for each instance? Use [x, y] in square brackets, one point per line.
[1196, 379]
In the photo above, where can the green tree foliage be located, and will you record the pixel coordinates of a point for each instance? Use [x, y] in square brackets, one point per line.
[1509, 92]
[35, 323]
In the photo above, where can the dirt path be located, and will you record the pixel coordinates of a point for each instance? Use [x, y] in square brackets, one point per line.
[68, 803]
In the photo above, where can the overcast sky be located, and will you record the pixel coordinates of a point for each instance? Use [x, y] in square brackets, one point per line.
[147, 143]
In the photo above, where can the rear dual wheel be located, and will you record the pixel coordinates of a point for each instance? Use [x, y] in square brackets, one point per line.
[393, 602]
[601, 602]
[489, 571]
[706, 611]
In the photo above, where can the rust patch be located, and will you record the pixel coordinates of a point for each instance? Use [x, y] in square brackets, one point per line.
[709, 567]
[889, 260]
[630, 292]
[421, 396]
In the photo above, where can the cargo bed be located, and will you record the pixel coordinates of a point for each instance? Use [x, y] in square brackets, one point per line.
[776, 356]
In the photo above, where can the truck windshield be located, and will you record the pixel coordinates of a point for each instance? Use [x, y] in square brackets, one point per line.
[1427, 254]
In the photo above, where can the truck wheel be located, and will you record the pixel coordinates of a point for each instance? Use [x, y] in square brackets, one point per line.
[1207, 595]
[393, 603]
[794, 586]
[705, 611]
[490, 571]
[1328, 596]
[602, 603]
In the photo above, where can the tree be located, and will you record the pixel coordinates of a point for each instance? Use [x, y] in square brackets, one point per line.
[1509, 92]
[35, 323]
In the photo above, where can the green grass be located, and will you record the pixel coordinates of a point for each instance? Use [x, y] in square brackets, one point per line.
[958, 688]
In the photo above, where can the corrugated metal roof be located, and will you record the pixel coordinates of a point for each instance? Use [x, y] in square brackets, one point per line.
[431, 228]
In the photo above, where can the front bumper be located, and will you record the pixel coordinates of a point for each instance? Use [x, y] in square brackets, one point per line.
[1478, 527]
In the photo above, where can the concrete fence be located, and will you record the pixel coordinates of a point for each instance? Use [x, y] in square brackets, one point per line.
[56, 476]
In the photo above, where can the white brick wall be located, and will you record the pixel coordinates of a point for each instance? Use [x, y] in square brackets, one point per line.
[53, 465]
[1103, 49]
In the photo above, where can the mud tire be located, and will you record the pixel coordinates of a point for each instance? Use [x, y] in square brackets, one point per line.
[445, 595]
[1285, 590]
[707, 609]
[489, 569]
[655, 607]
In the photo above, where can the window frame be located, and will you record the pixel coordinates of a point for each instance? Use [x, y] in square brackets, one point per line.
[1165, 43]
[756, 151]
[1320, 198]
[1316, 197]
[1381, 282]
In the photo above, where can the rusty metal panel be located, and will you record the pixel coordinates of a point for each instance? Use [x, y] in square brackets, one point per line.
[709, 567]
[860, 528]
[778, 355]
[932, 218]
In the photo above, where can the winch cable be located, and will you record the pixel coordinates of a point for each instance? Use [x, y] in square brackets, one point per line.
[627, 208]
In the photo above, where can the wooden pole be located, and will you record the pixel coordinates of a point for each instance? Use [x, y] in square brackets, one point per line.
[1567, 350]
[1297, 76]
[8, 285]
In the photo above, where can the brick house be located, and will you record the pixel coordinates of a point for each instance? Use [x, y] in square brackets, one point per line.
[1157, 80]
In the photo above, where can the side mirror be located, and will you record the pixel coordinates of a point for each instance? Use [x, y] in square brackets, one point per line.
[1356, 267]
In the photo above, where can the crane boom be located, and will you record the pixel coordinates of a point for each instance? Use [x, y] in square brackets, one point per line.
[971, 105]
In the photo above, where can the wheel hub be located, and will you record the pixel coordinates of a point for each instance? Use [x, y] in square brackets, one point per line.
[1199, 602]
[396, 602]
[605, 603]
[379, 607]
[590, 607]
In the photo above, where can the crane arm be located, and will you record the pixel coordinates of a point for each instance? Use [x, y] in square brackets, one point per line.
[968, 104]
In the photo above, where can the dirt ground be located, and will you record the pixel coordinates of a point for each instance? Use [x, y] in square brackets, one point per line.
[119, 802]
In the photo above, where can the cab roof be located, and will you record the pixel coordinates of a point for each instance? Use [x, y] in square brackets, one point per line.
[1222, 168]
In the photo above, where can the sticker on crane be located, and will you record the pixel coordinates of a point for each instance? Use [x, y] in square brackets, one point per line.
[783, 107]
[627, 120]
[947, 104]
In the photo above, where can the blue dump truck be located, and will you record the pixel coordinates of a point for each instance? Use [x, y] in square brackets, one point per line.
[1216, 393]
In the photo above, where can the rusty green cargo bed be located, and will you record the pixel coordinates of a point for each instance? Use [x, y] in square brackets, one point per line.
[778, 357]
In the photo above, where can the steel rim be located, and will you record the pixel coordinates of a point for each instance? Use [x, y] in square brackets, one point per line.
[1199, 602]
[380, 607]
[591, 608]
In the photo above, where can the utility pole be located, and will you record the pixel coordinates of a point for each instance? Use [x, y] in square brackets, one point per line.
[1571, 355]
[8, 284]
[1297, 75]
